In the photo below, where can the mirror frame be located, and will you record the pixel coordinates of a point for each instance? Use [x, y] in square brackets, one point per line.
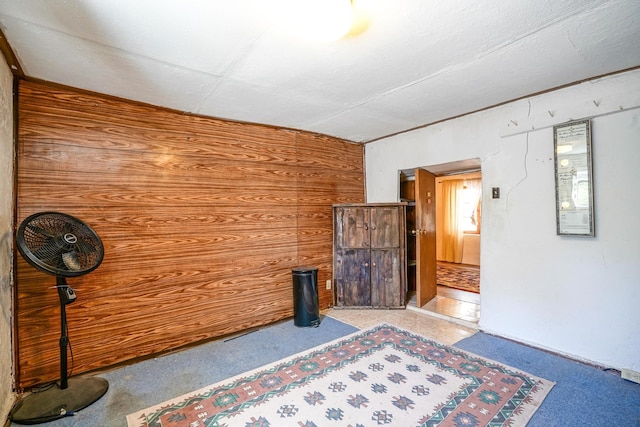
[573, 178]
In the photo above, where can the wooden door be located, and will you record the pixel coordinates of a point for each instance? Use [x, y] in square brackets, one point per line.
[425, 195]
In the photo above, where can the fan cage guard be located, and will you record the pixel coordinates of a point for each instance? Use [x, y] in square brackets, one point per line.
[59, 244]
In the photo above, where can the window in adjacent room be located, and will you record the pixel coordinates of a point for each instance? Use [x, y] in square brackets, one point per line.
[469, 205]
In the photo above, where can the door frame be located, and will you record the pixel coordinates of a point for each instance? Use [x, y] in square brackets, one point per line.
[428, 290]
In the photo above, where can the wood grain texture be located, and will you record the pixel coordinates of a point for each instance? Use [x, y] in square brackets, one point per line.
[202, 221]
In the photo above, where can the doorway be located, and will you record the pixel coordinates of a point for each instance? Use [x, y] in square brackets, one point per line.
[443, 239]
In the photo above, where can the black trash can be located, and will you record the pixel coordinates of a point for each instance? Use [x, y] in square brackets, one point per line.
[306, 308]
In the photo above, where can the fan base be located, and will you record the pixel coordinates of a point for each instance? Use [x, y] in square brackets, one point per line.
[55, 403]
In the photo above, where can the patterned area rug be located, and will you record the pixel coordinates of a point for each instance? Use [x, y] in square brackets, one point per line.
[375, 377]
[459, 276]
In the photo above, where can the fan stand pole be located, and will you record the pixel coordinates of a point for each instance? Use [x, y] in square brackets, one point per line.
[61, 284]
[73, 394]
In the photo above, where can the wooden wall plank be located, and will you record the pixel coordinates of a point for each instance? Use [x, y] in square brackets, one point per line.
[202, 221]
[327, 177]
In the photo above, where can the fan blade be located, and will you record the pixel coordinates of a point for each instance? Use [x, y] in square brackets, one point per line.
[48, 252]
[84, 247]
[71, 261]
[41, 231]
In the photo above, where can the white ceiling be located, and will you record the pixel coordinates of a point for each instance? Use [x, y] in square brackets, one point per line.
[410, 63]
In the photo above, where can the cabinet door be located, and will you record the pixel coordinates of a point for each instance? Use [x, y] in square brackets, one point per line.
[353, 273]
[353, 227]
[385, 227]
[387, 288]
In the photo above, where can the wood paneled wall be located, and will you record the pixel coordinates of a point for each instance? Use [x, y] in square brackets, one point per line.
[202, 221]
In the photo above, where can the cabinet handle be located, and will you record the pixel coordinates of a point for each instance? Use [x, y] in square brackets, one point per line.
[373, 264]
[366, 264]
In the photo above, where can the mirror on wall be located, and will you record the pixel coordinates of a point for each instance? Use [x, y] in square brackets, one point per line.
[573, 177]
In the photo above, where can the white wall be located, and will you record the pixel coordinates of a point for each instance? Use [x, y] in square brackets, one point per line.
[6, 237]
[576, 296]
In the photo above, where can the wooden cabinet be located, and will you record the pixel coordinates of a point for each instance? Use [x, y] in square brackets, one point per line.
[369, 261]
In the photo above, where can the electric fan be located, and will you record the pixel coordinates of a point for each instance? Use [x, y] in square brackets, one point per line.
[64, 246]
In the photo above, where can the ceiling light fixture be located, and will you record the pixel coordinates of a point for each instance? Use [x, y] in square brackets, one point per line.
[321, 20]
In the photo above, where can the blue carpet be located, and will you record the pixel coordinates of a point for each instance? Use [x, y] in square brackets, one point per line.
[140, 385]
[583, 395]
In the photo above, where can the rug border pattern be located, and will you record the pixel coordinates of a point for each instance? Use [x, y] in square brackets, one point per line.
[509, 412]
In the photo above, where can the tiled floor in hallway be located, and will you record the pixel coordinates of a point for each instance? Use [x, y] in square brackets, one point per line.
[415, 320]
